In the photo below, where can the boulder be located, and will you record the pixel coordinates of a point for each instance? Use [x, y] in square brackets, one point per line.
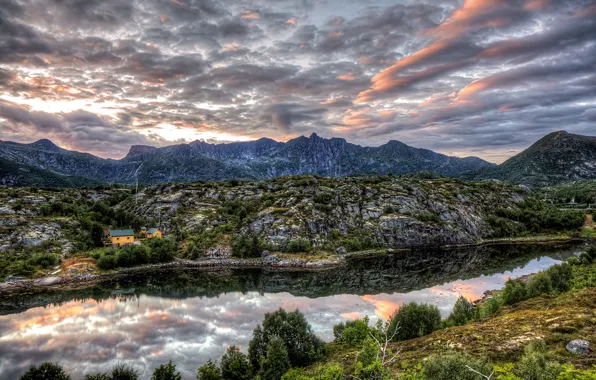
[341, 251]
[265, 254]
[271, 259]
[579, 347]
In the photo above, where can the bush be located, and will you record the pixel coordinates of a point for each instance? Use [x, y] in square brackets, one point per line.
[132, 255]
[124, 371]
[560, 276]
[247, 246]
[539, 284]
[277, 361]
[44, 260]
[490, 306]
[352, 332]
[99, 376]
[331, 371]
[429, 217]
[414, 320]
[514, 292]
[46, 371]
[302, 345]
[234, 365]
[166, 372]
[298, 245]
[161, 250]
[449, 367]
[209, 371]
[107, 262]
[463, 312]
[534, 365]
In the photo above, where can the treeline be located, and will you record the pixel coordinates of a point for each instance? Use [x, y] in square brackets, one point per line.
[534, 216]
[151, 251]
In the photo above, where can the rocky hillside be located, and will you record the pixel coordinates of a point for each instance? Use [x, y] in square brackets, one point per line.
[261, 159]
[557, 158]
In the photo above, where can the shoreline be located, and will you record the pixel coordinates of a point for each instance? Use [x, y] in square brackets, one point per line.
[55, 283]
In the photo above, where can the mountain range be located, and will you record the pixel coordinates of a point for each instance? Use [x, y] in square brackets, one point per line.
[260, 159]
[556, 158]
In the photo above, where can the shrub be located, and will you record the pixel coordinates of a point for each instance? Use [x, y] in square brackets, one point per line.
[234, 365]
[298, 245]
[463, 312]
[534, 365]
[352, 332]
[331, 371]
[454, 366]
[247, 246]
[560, 276]
[166, 372]
[514, 292]
[43, 260]
[490, 306]
[539, 284]
[46, 371]
[99, 376]
[414, 320]
[161, 250]
[107, 262]
[277, 361]
[429, 217]
[209, 371]
[302, 345]
[124, 371]
[132, 255]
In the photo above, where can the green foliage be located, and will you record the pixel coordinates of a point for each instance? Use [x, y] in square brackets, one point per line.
[247, 246]
[561, 276]
[160, 250]
[332, 371]
[414, 320]
[209, 371]
[234, 365]
[107, 262]
[569, 372]
[298, 245]
[352, 332]
[44, 260]
[514, 292]
[454, 366]
[303, 346]
[429, 217]
[369, 352]
[123, 371]
[166, 372]
[463, 312]
[45, 371]
[132, 255]
[534, 364]
[276, 362]
[98, 376]
[539, 284]
[373, 371]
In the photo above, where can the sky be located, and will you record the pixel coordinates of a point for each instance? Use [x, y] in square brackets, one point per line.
[472, 77]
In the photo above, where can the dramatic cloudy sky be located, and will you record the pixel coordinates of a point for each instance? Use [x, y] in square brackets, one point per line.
[471, 77]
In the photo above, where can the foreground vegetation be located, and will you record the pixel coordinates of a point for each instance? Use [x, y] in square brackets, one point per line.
[517, 334]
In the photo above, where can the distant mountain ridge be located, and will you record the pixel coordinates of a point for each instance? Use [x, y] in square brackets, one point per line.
[557, 158]
[260, 159]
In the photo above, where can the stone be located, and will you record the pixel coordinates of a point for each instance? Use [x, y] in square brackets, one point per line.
[271, 259]
[12, 279]
[579, 347]
[341, 251]
[265, 254]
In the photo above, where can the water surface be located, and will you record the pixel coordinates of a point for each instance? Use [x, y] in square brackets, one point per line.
[191, 316]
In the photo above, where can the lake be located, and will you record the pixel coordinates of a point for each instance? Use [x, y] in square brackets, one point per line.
[191, 316]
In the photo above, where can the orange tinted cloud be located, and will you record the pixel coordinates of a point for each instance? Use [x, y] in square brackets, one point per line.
[348, 77]
[250, 15]
[292, 21]
[383, 308]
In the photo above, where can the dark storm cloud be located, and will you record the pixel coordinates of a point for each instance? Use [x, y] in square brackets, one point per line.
[442, 75]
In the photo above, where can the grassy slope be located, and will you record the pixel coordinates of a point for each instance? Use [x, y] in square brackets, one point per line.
[15, 174]
[502, 338]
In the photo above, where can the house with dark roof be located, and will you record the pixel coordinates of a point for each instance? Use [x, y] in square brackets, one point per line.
[154, 233]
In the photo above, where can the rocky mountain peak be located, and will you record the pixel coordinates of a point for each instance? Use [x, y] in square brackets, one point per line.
[45, 144]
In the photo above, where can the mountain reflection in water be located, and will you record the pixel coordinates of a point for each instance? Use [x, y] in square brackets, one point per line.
[191, 316]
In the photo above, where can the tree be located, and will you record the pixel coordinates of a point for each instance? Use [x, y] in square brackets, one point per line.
[124, 371]
[99, 376]
[463, 312]
[514, 292]
[277, 361]
[209, 371]
[166, 372]
[414, 321]
[46, 371]
[302, 344]
[234, 365]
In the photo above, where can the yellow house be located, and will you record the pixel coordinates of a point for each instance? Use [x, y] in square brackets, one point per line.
[121, 238]
[154, 233]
